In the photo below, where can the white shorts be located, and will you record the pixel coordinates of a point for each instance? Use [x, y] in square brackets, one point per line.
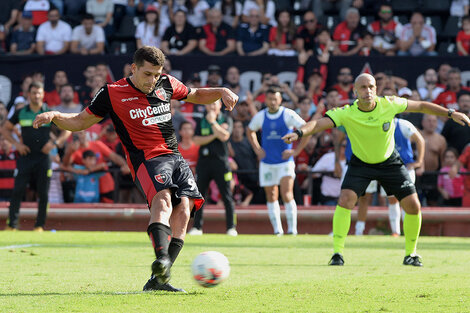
[372, 188]
[271, 174]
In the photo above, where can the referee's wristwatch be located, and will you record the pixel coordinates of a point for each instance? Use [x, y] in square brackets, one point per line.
[450, 112]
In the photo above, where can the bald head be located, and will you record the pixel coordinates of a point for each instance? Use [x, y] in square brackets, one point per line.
[365, 90]
[364, 77]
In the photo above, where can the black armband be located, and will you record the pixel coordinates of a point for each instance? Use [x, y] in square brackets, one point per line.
[299, 133]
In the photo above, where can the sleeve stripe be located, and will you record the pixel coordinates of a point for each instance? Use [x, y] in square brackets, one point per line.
[326, 115]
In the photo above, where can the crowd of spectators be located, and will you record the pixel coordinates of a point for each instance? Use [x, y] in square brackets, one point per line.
[229, 27]
[251, 27]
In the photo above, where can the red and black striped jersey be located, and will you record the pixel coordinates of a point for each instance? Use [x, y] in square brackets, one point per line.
[142, 121]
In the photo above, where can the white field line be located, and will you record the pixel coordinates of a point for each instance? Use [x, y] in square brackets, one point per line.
[19, 246]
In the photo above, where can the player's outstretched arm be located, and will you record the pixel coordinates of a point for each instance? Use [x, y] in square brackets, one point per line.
[210, 95]
[432, 108]
[310, 128]
[67, 121]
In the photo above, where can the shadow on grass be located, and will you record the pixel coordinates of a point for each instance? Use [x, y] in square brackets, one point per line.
[100, 293]
[400, 244]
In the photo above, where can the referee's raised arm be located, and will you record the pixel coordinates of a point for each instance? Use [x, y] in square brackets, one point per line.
[434, 109]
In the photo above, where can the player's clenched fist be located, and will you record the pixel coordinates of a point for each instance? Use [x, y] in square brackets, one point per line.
[289, 138]
[43, 118]
[229, 99]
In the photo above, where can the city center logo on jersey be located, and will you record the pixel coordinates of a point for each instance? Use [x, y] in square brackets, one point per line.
[148, 114]
[161, 178]
[161, 94]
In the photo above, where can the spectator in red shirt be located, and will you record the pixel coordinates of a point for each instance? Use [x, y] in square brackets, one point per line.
[217, 37]
[281, 37]
[345, 85]
[305, 37]
[347, 35]
[52, 98]
[74, 153]
[463, 37]
[448, 98]
[385, 30]
[188, 149]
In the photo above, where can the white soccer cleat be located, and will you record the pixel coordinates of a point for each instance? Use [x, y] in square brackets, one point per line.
[232, 232]
[195, 232]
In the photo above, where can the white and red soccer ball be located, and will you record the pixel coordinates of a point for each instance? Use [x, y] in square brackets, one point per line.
[210, 268]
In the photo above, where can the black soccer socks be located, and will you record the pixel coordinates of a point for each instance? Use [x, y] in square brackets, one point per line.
[160, 235]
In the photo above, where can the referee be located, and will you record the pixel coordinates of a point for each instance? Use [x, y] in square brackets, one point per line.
[370, 127]
[34, 161]
[212, 134]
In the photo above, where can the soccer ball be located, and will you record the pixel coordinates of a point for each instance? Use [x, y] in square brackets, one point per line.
[210, 268]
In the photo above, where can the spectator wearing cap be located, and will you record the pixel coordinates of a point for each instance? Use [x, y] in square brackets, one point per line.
[87, 38]
[214, 78]
[253, 37]
[416, 38]
[412, 117]
[405, 92]
[53, 36]
[180, 38]
[23, 38]
[149, 32]
[348, 34]
[217, 37]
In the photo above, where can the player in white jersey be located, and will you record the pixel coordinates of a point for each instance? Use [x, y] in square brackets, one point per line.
[276, 158]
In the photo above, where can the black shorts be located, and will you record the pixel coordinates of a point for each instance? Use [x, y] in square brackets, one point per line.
[391, 174]
[169, 171]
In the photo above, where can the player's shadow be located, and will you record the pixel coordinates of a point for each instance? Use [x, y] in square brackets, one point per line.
[100, 293]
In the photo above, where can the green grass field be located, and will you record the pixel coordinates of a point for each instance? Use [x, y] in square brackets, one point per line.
[105, 272]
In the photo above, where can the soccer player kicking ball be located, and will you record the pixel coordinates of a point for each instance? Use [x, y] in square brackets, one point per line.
[139, 107]
[370, 127]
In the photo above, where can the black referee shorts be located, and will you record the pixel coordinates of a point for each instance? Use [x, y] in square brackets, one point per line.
[391, 174]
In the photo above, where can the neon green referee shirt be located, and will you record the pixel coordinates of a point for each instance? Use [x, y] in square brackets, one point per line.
[371, 133]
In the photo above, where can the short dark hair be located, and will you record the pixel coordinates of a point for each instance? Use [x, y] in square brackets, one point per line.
[273, 89]
[36, 84]
[88, 16]
[466, 18]
[88, 154]
[150, 54]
